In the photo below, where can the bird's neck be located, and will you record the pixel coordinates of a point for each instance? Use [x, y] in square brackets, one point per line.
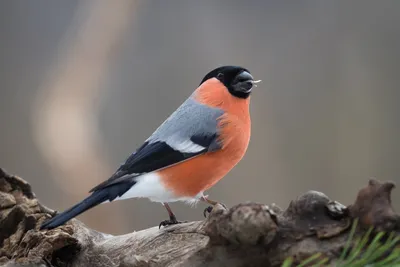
[214, 94]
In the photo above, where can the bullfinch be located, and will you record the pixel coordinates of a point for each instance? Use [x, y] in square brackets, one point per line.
[189, 153]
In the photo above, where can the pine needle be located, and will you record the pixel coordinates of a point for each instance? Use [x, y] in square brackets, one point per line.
[361, 252]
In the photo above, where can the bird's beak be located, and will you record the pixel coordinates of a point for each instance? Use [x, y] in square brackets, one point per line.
[255, 83]
[244, 82]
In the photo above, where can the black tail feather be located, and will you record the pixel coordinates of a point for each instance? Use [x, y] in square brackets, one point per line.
[94, 199]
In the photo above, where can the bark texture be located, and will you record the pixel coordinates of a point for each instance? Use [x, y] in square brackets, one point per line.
[248, 234]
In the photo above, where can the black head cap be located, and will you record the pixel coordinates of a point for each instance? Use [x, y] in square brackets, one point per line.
[238, 80]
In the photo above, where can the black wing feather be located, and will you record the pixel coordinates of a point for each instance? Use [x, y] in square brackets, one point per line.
[152, 156]
[210, 141]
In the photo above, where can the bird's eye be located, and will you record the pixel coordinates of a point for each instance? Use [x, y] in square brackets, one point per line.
[220, 76]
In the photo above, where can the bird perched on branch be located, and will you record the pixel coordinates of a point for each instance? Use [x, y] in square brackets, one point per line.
[189, 153]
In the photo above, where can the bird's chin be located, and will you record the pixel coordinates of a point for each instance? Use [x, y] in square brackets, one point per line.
[248, 91]
[242, 89]
[245, 87]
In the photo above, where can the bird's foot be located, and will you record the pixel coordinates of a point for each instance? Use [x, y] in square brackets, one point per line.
[171, 221]
[213, 203]
[207, 210]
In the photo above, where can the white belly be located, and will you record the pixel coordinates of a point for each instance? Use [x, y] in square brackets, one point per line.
[149, 186]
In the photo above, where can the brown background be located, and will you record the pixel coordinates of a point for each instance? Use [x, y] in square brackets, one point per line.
[83, 83]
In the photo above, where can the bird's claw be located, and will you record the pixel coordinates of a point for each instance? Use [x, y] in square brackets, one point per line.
[169, 222]
[207, 210]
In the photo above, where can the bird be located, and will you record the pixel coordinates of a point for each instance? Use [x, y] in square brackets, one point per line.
[194, 148]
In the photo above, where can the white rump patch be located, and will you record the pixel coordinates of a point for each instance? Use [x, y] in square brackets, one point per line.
[149, 186]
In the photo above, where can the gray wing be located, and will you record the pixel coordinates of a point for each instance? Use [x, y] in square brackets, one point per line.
[191, 128]
[190, 131]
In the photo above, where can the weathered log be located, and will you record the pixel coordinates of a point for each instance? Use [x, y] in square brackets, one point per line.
[248, 234]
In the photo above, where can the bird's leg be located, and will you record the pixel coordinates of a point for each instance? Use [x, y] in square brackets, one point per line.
[211, 202]
[172, 219]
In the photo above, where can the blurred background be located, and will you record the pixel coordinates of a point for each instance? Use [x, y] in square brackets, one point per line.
[84, 83]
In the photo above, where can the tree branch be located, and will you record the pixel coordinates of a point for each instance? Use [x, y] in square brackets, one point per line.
[248, 234]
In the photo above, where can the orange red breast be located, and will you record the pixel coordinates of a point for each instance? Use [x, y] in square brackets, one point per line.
[189, 178]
